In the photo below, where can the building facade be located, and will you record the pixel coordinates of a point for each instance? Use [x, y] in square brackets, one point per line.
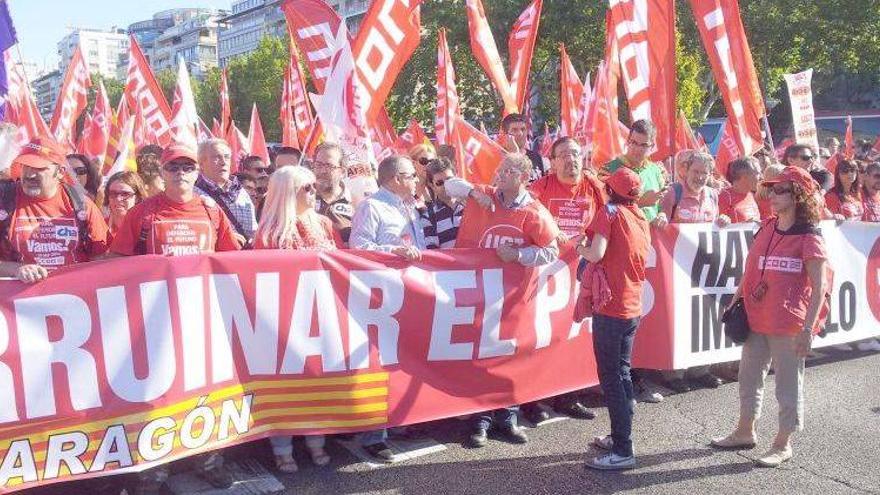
[194, 40]
[105, 51]
[252, 20]
[46, 90]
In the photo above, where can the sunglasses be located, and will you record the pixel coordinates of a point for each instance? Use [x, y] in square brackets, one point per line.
[81, 171]
[121, 195]
[260, 170]
[173, 168]
[439, 182]
[779, 190]
[424, 161]
[310, 187]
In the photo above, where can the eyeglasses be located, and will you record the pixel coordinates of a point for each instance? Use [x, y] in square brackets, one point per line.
[325, 166]
[121, 195]
[173, 168]
[806, 158]
[779, 190]
[640, 145]
[509, 171]
[259, 170]
[405, 176]
[81, 170]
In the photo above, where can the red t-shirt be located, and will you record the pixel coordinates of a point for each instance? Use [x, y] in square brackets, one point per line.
[783, 308]
[738, 207]
[175, 229]
[691, 208]
[851, 207]
[764, 208]
[530, 225]
[45, 231]
[571, 205]
[629, 239]
[871, 207]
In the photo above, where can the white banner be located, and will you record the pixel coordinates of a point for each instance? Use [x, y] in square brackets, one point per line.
[708, 267]
[803, 118]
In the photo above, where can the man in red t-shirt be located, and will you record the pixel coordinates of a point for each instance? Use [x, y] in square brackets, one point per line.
[507, 219]
[176, 222]
[570, 193]
[737, 202]
[45, 223]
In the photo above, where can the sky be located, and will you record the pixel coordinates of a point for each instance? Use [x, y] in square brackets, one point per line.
[42, 23]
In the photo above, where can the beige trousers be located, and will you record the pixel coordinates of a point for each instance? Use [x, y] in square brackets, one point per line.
[757, 353]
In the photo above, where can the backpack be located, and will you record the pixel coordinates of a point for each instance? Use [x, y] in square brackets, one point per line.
[678, 190]
[211, 209]
[8, 191]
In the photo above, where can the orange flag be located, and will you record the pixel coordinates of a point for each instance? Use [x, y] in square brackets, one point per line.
[478, 156]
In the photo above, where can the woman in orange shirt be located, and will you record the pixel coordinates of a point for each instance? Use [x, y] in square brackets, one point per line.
[784, 289]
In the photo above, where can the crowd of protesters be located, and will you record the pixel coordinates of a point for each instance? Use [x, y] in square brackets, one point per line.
[182, 201]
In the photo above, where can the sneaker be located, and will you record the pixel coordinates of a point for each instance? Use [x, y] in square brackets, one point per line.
[774, 457]
[533, 413]
[515, 434]
[218, 477]
[611, 462]
[478, 438]
[380, 451]
[576, 410]
[870, 345]
[646, 394]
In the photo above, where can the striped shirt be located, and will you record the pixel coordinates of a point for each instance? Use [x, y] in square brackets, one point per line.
[440, 223]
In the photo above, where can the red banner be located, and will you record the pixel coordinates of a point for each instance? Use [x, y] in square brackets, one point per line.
[645, 33]
[72, 99]
[160, 358]
[296, 113]
[724, 38]
[447, 94]
[225, 106]
[143, 91]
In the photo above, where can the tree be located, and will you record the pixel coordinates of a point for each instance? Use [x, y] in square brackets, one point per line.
[256, 78]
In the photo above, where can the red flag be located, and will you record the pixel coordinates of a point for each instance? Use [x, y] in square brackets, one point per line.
[728, 149]
[831, 163]
[521, 44]
[478, 155]
[685, 139]
[239, 146]
[256, 138]
[205, 133]
[849, 146]
[217, 129]
[184, 118]
[141, 134]
[447, 94]
[100, 126]
[412, 136]
[581, 130]
[142, 91]
[72, 99]
[724, 38]
[570, 95]
[387, 38]
[285, 114]
[313, 25]
[645, 33]
[547, 142]
[225, 106]
[383, 130]
[84, 135]
[300, 120]
[605, 136]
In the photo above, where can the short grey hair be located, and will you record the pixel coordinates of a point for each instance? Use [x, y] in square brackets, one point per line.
[518, 160]
[388, 168]
[212, 143]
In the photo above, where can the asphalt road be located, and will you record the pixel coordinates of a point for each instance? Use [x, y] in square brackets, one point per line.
[837, 453]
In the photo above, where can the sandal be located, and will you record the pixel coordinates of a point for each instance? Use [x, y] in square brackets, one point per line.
[286, 464]
[604, 443]
[732, 442]
[319, 456]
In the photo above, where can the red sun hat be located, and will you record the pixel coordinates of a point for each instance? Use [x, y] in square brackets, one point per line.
[41, 152]
[626, 183]
[795, 175]
[178, 151]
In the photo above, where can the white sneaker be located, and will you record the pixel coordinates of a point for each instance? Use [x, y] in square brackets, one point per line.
[611, 462]
[869, 345]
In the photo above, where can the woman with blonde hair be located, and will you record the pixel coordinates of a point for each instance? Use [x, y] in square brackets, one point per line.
[289, 221]
[421, 154]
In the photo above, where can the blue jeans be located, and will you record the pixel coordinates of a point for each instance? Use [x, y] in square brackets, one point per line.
[612, 345]
[504, 418]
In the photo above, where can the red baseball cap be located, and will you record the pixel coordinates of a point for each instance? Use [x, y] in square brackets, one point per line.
[626, 183]
[176, 152]
[41, 153]
[794, 175]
